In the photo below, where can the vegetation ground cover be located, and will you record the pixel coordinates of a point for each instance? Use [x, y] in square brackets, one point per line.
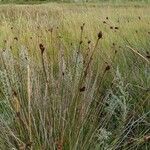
[74, 76]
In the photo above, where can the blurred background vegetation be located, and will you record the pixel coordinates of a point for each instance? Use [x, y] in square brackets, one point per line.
[39, 1]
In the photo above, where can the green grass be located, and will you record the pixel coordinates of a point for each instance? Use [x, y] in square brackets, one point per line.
[74, 77]
[117, 2]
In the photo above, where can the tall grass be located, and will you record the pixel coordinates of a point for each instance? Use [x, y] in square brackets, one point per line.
[74, 78]
[78, 1]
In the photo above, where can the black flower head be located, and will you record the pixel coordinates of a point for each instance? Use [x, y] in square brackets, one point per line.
[42, 48]
[100, 35]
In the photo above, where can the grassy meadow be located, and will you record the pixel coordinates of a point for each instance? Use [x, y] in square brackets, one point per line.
[74, 76]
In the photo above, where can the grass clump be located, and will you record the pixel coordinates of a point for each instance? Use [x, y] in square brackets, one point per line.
[72, 84]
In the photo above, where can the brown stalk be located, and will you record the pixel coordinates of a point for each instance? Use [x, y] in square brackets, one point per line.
[136, 52]
[29, 101]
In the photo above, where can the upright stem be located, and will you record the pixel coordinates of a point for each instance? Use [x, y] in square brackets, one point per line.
[29, 100]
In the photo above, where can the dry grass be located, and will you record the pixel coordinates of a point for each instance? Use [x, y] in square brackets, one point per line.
[74, 77]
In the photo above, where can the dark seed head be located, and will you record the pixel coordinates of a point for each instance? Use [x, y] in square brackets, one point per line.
[116, 28]
[106, 104]
[89, 42]
[82, 27]
[5, 41]
[15, 38]
[42, 48]
[111, 27]
[148, 56]
[100, 35]
[104, 22]
[14, 93]
[81, 42]
[107, 68]
[82, 89]
[50, 30]
[114, 44]
[107, 18]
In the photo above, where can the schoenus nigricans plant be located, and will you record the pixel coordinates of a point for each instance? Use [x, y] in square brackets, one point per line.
[42, 48]
[139, 18]
[82, 89]
[82, 27]
[89, 42]
[147, 55]
[100, 35]
[81, 42]
[15, 38]
[81, 36]
[111, 27]
[79, 48]
[117, 28]
[107, 68]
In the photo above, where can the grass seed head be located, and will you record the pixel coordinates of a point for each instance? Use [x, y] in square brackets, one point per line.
[111, 27]
[42, 48]
[82, 89]
[148, 56]
[117, 28]
[107, 68]
[113, 44]
[81, 42]
[15, 38]
[100, 35]
[89, 42]
[82, 27]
